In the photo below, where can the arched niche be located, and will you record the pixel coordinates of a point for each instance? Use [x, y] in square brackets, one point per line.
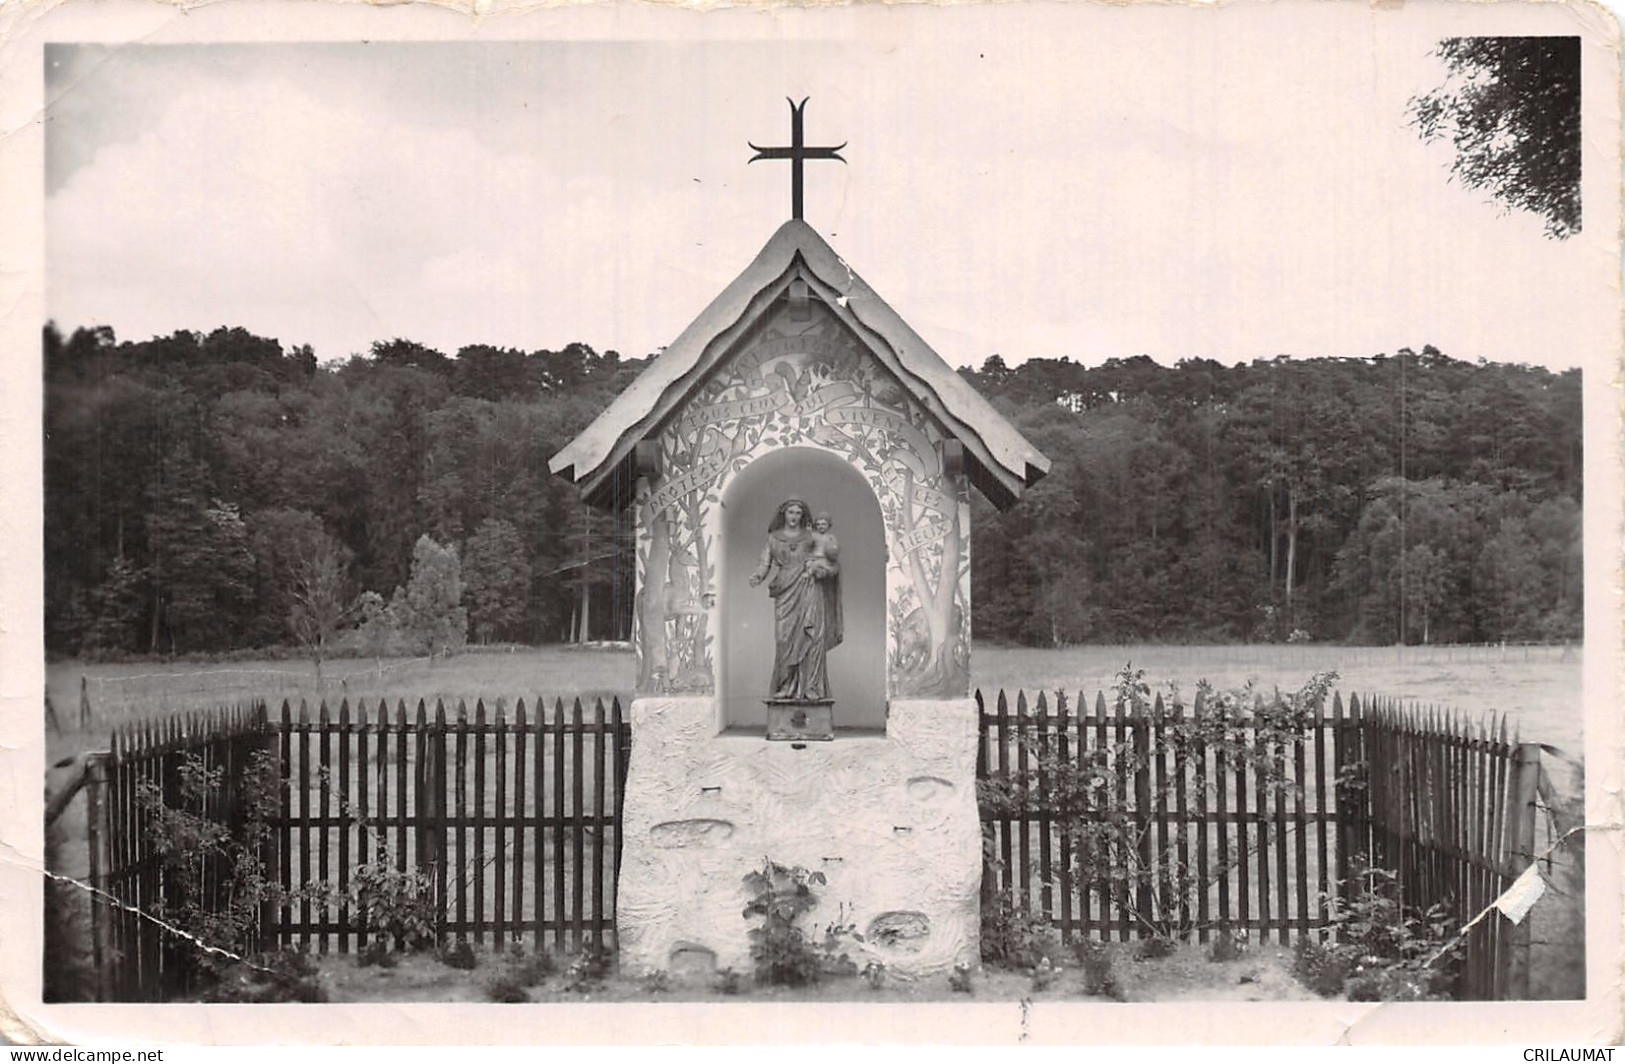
[857, 668]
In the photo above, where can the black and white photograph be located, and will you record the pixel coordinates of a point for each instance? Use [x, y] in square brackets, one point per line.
[838, 514]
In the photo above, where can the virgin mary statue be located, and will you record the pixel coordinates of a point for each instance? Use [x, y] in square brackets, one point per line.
[804, 580]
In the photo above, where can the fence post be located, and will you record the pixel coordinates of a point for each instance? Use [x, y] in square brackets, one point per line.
[1522, 796]
[95, 825]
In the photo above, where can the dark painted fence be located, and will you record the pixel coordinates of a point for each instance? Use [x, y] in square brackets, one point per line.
[1107, 820]
[510, 820]
[1116, 821]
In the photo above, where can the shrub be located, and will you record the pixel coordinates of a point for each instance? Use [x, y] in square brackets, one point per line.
[1155, 948]
[728, 982]
[1320, 968]
[1387, 951]
[267, 978]
[395, 904]
[1096, 961]
[1227, 947]
[874, 973]
[1015, 940]
[461, 956]
[1043, 975]
[375, 952]
[588, 968]
[959, 980]
[657, 982]
[504, 988]
[780, 895]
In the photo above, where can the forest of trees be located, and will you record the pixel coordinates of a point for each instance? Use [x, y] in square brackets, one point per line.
[210, 493]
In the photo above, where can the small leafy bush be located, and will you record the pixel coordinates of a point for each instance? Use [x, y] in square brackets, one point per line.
[1227, 947]
[1015, 940]
[396, 904]
[267, 978]
[874, 973]
[1155, 948]
[1320, 968]
[504, 988]
[1386, 950]
[460, 956]
[1096, 961]
[1044, 975]
[959, 980]
[588, 968]
[780, 895]
[657, 982]
[728, 982]
[376, 952]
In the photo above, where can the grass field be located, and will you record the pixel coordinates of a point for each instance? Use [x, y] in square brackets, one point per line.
[1537, 687]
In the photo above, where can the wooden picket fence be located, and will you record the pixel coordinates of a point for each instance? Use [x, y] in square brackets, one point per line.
[510, 821]
[1107, 820]
[135, 957]
[513, 819]
[1114, 820]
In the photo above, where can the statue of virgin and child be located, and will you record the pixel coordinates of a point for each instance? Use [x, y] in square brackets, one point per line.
[803, 574]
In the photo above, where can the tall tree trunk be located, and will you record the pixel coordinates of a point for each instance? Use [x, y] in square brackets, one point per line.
[1291, 549]
[586, 606]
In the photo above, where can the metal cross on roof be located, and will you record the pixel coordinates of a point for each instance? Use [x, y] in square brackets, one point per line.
[797, 152]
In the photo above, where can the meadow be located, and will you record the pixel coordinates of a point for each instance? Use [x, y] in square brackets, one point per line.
[1537, 687]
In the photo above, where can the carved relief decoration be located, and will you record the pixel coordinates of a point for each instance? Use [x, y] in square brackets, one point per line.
[804, 383]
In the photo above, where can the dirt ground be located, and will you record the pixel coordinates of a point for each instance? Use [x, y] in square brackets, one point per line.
[1262, 975]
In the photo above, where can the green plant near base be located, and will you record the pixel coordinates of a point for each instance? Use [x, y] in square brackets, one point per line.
[1111, 847]
[589, 967]
[1227, 946]
[505, 988]
[1016, 940]
[1155, 948]
[267, 978]
[460, 955]
[728, 982]
[195, 848]
[1096, 961]
[780, 896]
[396, 905]
[1383, 950]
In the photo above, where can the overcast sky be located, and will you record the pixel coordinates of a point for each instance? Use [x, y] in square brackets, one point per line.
[1084, 182]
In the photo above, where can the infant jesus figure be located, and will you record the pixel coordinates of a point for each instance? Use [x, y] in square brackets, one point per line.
[823, 549]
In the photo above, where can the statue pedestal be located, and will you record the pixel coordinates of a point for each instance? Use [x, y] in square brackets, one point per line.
[800, 720]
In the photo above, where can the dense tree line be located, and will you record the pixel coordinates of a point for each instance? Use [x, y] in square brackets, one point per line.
[1411, 497]
[197, 486]
[213, 492]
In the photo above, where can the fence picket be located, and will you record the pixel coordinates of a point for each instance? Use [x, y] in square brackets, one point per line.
[478, 825]
[520, 734]
[599, 762]
[324, 749]
[1024, 822]
[1042, 750]
[559, 922]
[461, 793]
[499, 870]
[1007, 890]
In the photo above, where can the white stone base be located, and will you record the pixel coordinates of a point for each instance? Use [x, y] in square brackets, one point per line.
[890, 821]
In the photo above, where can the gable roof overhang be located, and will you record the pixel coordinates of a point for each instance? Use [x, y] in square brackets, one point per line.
[601, 459]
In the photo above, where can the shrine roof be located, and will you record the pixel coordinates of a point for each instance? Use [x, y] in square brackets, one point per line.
[999, 459]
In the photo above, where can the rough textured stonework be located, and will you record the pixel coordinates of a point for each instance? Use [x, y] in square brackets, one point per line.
[891, 822]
